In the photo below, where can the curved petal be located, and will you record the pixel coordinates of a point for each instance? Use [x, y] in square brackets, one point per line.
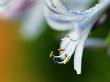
[79, 50]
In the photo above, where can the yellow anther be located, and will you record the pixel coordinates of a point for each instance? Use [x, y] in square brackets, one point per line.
[61, 49]
[51, 54]
[66, 61]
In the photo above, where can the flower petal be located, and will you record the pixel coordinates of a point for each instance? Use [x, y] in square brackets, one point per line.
[79, 50]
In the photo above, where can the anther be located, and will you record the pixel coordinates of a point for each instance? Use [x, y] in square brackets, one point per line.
[66, 61]
[51, 54]
[61, 49]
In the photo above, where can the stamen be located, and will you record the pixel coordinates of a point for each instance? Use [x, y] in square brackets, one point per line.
[65, 53]
[66, 60]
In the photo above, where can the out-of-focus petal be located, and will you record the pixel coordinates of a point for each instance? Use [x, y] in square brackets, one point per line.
[13, 8]
[93, 42]
[33, 21]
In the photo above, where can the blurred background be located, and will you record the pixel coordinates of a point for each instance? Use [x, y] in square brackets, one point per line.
[24, 55]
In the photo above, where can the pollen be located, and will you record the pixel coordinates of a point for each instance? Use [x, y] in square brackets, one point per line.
[61, 49]
[51, 54]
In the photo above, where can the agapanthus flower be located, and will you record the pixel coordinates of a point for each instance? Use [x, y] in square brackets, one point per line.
[78, 17]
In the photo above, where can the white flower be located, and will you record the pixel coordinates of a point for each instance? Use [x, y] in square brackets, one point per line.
[79, 20]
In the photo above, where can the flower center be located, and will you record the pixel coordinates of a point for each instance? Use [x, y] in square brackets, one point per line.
[4, 2]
